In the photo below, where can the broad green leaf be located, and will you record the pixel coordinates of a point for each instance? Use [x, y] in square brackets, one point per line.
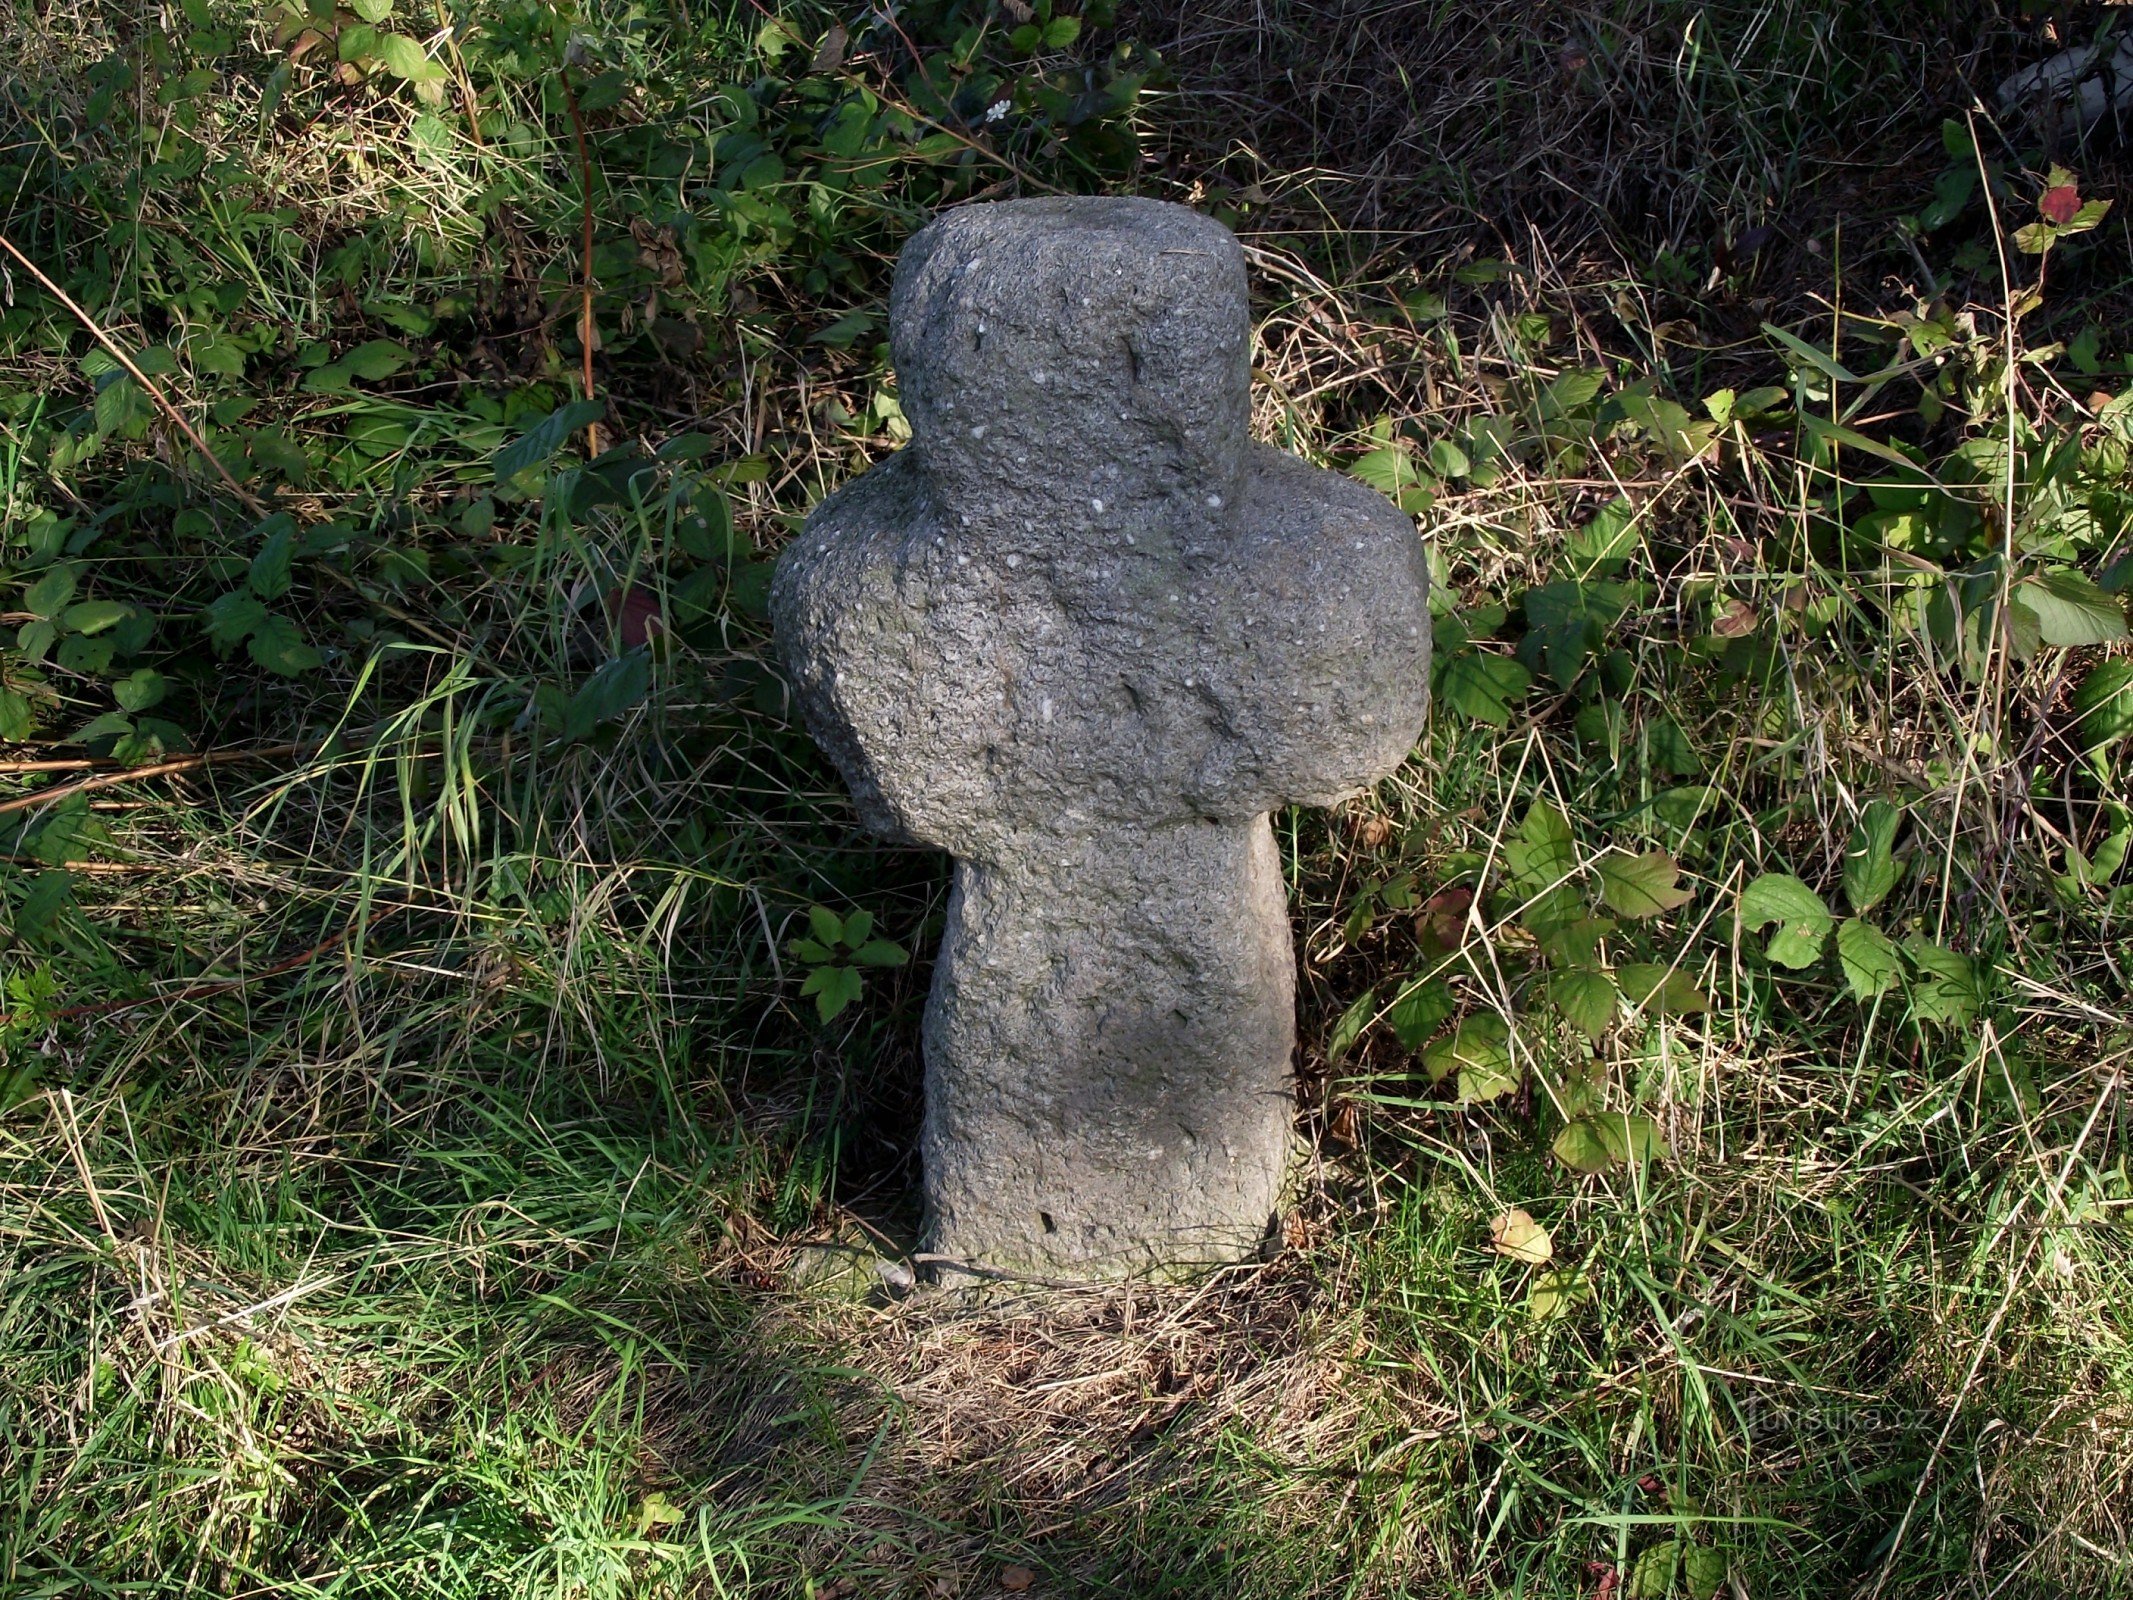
[1868, 956]
[533, 447]
[1479, 1052]
[33, 639]
[612, 690]
[2070, 610]
[94, 616]
[372, 11]
[1568, 938]
[1567, 621]
[826, 924]
[1662, 990]
[1447, 460]
[858, 928]
[1557, 1294]
[834, 988]
[233, 618]
[404, 58]
[17, 721]
[48, 596]
[2103, 703]
[1946, 989]
[1351, 1025]
[1703, 1568]
[811, 951]
[1585, 997]
[279, 646]
[1611, 536]
[1482, 686]
[1581, 1148]
[1641, 886]
[144, 688]
[1871, 869]
[1542, 853]
[270, 570]
[1652, 1578]
[880, 953]
[1420, 1011]
[1803, 919]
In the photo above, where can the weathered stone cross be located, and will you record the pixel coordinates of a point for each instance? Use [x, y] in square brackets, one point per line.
[1085, 635]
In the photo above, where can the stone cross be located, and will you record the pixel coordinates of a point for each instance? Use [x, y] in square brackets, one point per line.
[1085, 635]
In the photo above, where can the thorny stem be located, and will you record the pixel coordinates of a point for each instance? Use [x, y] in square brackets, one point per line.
[585, 274]
[252, 502]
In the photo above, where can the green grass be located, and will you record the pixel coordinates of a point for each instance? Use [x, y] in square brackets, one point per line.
[421, 1170]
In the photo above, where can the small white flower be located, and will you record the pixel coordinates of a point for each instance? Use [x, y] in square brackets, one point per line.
[998, 109]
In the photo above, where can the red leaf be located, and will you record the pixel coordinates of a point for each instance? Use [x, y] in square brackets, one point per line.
[2060, 203]
[636, 615]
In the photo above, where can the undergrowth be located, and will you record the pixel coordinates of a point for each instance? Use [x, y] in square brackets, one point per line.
[460, 1075]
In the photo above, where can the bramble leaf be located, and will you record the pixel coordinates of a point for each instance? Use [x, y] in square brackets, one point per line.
[1871, 869]
[1585, 997]
[1869, 958]
[1420, 1011]
[1662, 990]
[1802, 917]
[1641, 886]
[1482, 686]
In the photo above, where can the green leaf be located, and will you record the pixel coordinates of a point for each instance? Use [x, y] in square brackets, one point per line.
[1652, 1578]
[48, 596]
[17, 721]
[1626, 1137]
[880, 953]
[1803, 919]
[2104, 704]
[533, 447]
[1869, 959]
[1557, 1294]
[1585, 997]
[1703, 1568]
[1947, 990]
[1641, 886]
[858, 928]
[1871, 869]
[278, 645]
[827, 925]
[810, 951]
[1351, 1025]
[269, 575]
[404, 58]
[612, 690]
[2070, 610]
[1568, 621]
[1447, 460]
[1611, 536]
[1581, 1148]
[1542, 853]
[834, 988]
[233, 618]
[372, 11]
[33, 639]
[94, 616]
[1482, 686]
[144, 688]
[1662, 990]
[1420, 1011]
[1478, 1051]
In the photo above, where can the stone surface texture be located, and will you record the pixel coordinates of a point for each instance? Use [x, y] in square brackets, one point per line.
[1085, 635]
